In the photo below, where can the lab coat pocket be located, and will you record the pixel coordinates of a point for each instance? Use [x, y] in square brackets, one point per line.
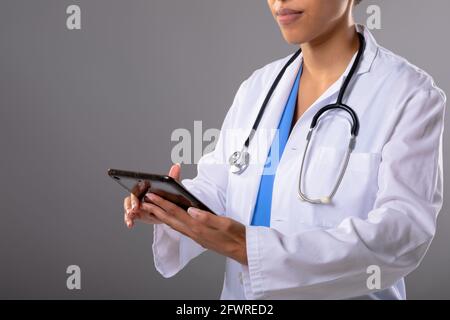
[356, 192]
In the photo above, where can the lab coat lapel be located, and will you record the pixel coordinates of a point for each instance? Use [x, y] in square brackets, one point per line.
[261, 142]
[330, 95]
[248, 191]
[297, 140]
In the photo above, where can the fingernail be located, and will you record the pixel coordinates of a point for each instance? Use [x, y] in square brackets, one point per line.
[152, 196]
[178, 164]
[193, 211]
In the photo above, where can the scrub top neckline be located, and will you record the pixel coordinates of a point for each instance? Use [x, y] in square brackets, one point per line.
[261, 213]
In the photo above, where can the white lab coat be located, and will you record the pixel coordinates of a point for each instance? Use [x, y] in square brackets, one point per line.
[383, 214]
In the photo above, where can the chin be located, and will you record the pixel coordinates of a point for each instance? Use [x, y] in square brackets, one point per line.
[295, 37]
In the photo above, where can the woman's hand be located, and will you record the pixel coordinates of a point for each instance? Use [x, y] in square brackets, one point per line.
[220, 234]
[134, 209]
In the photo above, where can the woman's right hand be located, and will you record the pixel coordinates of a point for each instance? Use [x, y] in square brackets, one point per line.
[136, 210]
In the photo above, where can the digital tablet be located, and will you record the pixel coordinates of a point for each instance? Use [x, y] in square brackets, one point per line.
[139, 183]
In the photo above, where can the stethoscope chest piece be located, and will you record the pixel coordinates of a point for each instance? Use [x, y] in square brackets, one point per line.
[239, 161]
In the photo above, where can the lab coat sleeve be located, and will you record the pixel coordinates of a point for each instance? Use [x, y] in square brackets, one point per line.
[333, 263]
[172, 250]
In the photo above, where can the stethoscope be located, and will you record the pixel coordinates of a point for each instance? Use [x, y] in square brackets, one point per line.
[240, 160]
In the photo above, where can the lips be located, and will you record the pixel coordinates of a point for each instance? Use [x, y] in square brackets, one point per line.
[286, 16]
[287, 11]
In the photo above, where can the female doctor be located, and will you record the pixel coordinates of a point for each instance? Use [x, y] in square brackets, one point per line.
[315, 224]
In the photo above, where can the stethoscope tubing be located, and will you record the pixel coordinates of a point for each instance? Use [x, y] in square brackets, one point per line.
[240, 160]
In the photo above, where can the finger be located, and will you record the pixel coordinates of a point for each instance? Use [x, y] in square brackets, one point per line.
[127, 207]
[130, 213]
[146, 213]
[168, 219]
[175, 172]
[127, 220]
[153, 219]
[143, 214]
[171, 208]
[127, 204]
[150, 209]
[134, 201]
[206, 218]
[134, 214]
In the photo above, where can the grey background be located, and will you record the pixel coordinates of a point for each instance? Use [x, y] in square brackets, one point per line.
[74, 103]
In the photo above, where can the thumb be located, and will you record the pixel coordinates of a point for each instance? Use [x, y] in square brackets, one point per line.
[175, 171]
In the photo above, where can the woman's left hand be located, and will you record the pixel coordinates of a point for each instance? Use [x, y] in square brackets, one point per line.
[220, 234]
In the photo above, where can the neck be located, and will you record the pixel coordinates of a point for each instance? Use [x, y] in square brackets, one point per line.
[327, 57]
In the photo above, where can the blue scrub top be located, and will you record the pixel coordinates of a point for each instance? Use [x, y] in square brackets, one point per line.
[261, 213]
